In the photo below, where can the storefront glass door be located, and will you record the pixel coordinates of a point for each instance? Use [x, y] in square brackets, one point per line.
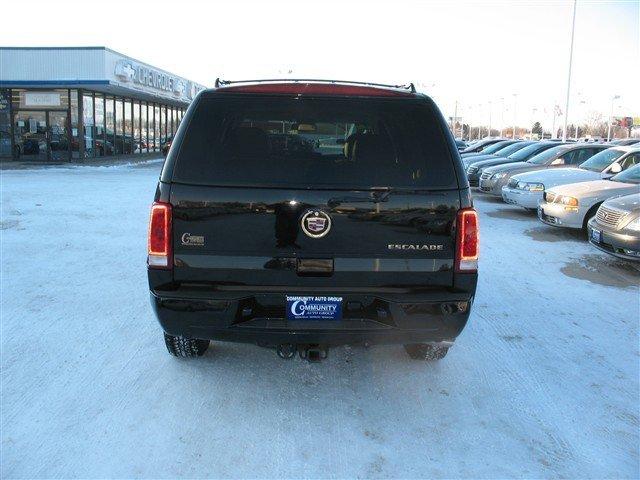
[41, 135]
[58, 136]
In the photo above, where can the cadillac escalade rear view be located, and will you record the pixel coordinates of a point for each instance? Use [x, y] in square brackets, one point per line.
[302, 215]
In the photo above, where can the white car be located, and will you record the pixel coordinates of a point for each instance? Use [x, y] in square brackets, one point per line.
[526, 189]
[573, 205]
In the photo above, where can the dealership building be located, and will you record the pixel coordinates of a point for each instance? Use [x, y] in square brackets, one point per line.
[81, 103]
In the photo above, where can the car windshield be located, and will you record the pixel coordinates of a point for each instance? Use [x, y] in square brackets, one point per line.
[632, 175]
[543, 158]
[514, 147]
[496, 147]
[524, 153]
[602, 160]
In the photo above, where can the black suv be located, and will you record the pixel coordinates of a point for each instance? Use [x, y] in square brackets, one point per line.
[307, 214]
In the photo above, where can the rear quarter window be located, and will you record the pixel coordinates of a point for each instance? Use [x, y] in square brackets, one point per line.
[289, 142]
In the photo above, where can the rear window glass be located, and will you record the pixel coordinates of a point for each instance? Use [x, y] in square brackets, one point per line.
[314, 142]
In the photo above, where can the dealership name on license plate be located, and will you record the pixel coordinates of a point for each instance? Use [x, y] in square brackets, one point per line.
[314, 308]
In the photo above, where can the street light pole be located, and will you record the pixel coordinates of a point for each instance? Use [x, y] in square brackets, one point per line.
[489, 118]
[502, 119]
[515, 96]
[613, 99]
[566, 109]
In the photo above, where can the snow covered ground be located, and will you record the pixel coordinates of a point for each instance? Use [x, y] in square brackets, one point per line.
[544, 382]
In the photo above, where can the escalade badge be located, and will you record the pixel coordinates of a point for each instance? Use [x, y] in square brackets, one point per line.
[315, 223]
[188, 239]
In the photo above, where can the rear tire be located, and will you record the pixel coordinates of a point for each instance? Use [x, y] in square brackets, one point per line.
[426, 351]
[185, 347]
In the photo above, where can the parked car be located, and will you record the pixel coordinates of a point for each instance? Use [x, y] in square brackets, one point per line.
[616, 227]
[492, 179]
[573, 205]
[490, 150]
[165, 145]
[461, 144]
[254, 239]
[503, 152]
[625, 142]
[526, 189]
[481, 145]
[475, 169]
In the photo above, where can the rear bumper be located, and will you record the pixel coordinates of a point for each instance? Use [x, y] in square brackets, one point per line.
[252, 317]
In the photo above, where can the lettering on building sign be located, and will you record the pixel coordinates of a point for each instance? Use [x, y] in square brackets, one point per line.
[127, 71]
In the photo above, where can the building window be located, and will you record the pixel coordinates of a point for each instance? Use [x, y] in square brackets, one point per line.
[6, 149]
[119, 137]
[75, 129]
[127, 134]
[156, 123]
[109, 113]
[99, 140]
[145, 127]
[89, 125]
[136, 126]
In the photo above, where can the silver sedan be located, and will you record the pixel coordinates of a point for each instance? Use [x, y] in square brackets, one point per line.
[574, 204]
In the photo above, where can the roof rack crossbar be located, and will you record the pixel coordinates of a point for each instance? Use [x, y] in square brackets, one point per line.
[220, 82]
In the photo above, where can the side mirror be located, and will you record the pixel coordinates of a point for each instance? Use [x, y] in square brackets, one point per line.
[558, 161]
[615, 168]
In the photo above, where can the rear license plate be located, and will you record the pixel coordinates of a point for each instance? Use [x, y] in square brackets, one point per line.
[314, 308]
[596, 235]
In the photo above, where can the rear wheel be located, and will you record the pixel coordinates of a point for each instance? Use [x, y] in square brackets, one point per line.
[185, 347]
[426, 351]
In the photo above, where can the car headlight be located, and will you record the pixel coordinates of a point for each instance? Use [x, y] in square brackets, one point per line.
[498, 176]
[531, 187]
[634, 225]
[567, 200]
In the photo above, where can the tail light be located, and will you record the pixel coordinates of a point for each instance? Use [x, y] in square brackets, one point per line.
[467, 241]
[159, 251]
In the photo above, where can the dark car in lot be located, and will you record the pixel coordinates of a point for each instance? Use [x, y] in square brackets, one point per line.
[480, 145]
[490, 150]
[492, 179]
[261, 234]
[474, 170]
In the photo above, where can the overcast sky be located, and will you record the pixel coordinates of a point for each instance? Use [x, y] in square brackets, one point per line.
[472, 52]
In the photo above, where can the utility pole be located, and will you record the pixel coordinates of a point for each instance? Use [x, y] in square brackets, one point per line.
[515, 96]
[613, 99]
[566, 109]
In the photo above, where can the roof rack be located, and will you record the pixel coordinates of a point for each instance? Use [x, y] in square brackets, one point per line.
[221, 83]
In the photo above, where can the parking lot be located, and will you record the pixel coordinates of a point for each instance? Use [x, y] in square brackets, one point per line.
[543, 382]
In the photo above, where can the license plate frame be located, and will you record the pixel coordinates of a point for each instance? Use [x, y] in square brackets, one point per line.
[314, 307]
[596, 235]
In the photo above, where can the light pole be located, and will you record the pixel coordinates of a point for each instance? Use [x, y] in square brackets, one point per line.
[489, 133]
[566, 108]
[479, 113]
[502, 119]
[515, 97]
[470, 121]
[613, 99]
